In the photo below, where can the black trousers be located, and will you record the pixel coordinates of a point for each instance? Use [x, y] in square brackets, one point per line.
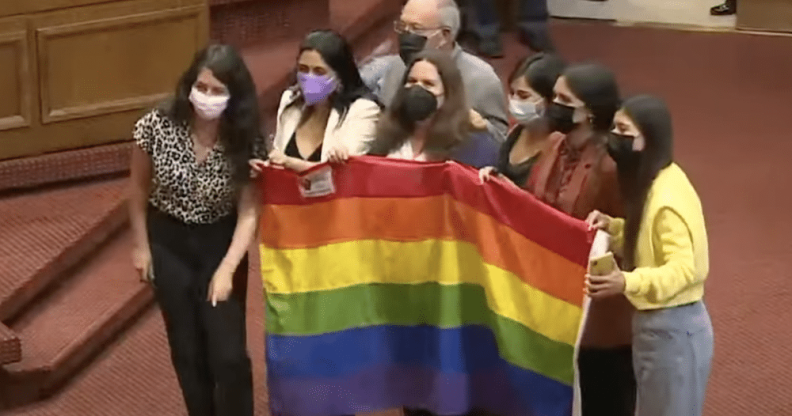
[208, 344]
[607, 381]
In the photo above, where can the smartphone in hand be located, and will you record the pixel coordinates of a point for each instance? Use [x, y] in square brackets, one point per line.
[602, 265]
[150, 274]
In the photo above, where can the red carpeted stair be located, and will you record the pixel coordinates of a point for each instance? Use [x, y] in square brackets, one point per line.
[46, 231]
[10, 346]
[65, 290]
[76, 320]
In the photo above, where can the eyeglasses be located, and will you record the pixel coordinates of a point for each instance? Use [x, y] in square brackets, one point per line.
[401, 27]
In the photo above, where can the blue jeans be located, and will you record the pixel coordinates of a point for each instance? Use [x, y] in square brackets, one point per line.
[672, 356]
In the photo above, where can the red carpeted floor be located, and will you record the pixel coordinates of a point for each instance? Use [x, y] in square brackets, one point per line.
[729, 95]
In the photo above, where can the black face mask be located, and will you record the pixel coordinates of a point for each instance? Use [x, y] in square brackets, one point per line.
[410, 44]
[418, 104]
[560, 117]
[620, 148]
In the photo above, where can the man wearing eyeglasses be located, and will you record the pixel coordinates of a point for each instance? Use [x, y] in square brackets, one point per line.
[435, 24]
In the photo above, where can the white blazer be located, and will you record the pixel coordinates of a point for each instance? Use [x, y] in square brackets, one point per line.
[356, 132]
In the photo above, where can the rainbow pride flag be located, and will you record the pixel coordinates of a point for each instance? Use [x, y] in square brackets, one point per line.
[392, 283]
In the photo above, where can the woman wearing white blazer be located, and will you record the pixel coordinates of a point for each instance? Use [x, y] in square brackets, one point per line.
[329, 114]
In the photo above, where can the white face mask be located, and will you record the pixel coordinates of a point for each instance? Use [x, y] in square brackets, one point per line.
[208, 107]
[523, 111]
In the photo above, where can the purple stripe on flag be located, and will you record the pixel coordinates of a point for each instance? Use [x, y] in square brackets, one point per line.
[384, 388]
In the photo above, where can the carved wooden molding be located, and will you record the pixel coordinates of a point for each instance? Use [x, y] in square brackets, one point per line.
[45, 35]
[20, 40]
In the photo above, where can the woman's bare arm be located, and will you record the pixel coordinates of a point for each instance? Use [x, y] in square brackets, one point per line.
[139, 189]
[246, 227]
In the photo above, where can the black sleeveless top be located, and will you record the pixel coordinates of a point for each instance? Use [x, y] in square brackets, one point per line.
[517, 173]
[293, 151]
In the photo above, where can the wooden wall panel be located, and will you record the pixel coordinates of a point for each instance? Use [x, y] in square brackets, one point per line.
[17, 7]
[141, 57]
[765, 15]
[15, 77]
[82, 76]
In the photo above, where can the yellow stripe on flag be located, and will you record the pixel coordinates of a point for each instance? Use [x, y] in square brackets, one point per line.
[346, 264]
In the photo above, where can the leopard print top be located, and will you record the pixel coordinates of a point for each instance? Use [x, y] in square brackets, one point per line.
[195, 193]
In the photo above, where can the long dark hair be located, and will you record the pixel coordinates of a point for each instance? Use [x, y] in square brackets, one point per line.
[652, 118]
[240, 129]
[337, 54]
[596, 86]
[450, 125]
[541, 71]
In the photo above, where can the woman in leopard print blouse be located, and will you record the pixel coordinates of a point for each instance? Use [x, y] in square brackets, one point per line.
[193, 211]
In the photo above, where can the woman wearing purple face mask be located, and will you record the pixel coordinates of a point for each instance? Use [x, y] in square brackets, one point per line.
[329, 114]
[193, 214]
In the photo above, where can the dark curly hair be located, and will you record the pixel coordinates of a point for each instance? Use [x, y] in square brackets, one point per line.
[240, 130]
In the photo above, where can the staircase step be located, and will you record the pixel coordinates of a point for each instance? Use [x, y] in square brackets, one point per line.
[132, 377]
[45, 232]
[271, 67]
[245, 22]
[359, 19]
[75, 320]
[10, 347]
[52, 168]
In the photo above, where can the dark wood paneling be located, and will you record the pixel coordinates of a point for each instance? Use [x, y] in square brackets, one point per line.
[17, 7]
[15, 75]
[83, 75]
[147, 51]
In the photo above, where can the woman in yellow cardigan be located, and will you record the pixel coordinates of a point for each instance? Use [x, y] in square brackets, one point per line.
[663, 243]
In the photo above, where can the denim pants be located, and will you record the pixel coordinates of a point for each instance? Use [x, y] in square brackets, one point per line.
[672, 357]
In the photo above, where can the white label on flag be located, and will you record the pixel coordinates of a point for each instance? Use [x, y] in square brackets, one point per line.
[318, 183]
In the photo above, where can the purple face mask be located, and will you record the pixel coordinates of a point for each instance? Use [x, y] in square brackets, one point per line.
[316, 88]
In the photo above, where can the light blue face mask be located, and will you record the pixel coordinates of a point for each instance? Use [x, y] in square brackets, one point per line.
[523, 111]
